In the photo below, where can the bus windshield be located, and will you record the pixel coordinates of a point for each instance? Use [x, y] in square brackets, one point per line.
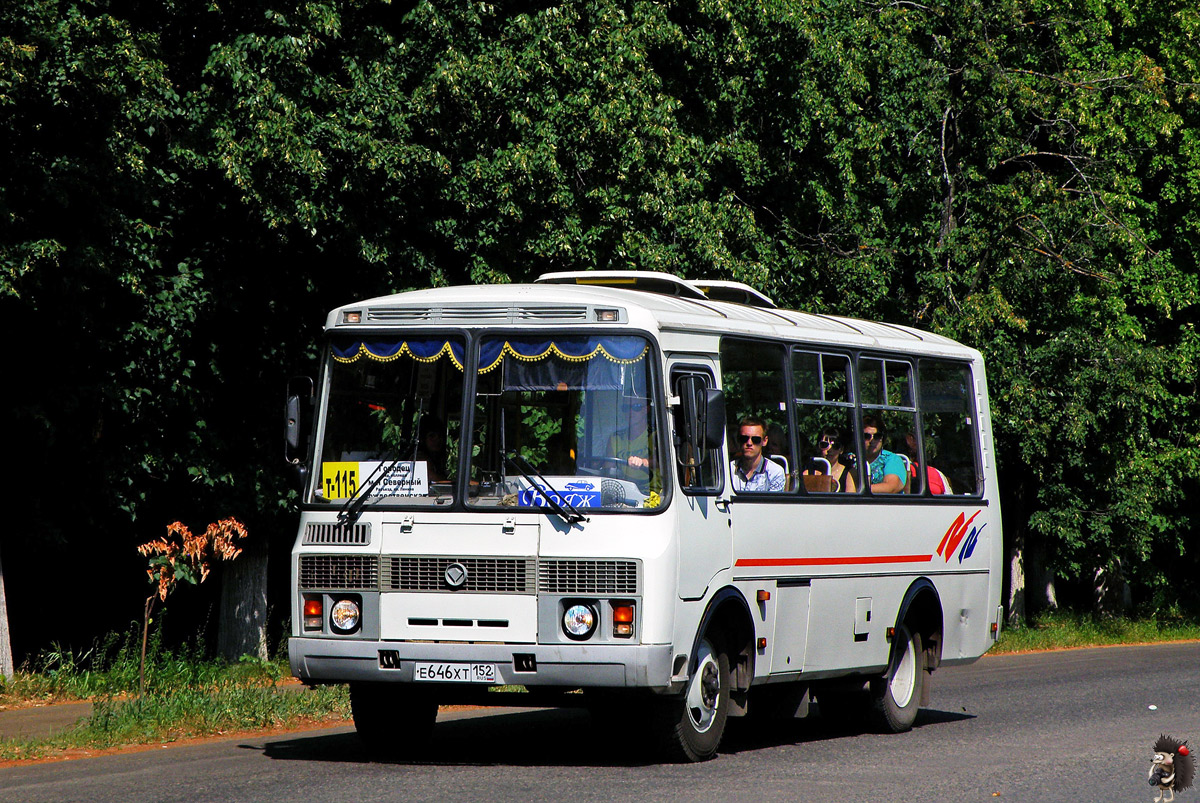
[393, 415]
[573, 417]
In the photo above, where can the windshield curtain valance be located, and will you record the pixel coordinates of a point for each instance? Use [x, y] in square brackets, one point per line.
[619, 350]
[565, 363]
[426, 350]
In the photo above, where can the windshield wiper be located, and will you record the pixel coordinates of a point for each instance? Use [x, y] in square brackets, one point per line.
[352, 507]
[523, 467]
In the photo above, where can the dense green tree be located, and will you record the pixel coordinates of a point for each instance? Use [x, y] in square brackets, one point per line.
[188, 185]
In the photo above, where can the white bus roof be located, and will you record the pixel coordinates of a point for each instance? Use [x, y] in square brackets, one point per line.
[653, 309]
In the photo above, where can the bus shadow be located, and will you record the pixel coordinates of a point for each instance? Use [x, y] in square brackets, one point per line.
[538, 738]
[749, 734]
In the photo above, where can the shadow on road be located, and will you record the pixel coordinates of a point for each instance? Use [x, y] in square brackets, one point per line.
[747, 734]
[552, 737]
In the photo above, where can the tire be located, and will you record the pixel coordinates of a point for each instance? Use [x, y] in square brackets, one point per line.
[896, 697]
[690, 727]
[393, 721]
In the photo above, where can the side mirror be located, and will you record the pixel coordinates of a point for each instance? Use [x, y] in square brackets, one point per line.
[701, 422]
[714, 418]
[297, 418]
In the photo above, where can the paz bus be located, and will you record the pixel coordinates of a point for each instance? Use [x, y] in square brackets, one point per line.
[528, 494]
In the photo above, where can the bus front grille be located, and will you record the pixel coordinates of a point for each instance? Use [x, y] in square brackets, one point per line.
[340, 572]
[336, 534]
[483, 575]
[588, 577]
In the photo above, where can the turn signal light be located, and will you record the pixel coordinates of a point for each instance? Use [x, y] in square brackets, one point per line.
[312, 614]
[623, 621]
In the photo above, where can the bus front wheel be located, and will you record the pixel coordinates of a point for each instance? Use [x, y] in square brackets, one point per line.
[896, 696]
[393, 721]
[691, 727]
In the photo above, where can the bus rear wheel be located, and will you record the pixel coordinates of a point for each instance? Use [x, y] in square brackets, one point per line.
[896, 696]
[690, 727]
[393, 721]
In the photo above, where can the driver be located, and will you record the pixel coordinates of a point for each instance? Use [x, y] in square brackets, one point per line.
[634, 446]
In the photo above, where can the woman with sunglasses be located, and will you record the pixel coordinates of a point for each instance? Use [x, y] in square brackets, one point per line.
[829, 448]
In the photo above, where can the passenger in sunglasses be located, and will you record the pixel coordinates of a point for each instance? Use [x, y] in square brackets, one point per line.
[888, 472]
[754, 471]
[829, 447]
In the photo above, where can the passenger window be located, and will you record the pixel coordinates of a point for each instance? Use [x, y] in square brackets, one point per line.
[825, 422]
[890, 419]
[755, 383]
[951, 439]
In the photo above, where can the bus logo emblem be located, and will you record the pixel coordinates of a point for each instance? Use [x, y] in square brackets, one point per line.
[456, 575]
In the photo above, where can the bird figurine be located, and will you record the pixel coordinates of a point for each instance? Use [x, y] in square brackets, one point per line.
[1172, 768]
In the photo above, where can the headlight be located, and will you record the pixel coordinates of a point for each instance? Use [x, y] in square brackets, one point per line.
[579, 621]
[345, 615]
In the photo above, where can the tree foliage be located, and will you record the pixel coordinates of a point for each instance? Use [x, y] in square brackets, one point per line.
[190, 184]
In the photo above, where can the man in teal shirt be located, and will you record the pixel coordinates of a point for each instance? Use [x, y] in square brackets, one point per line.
[888, 471]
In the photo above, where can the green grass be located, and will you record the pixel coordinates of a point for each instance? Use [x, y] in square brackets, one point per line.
[1063, 630]
[169, 716]
[111, 668]
[187, 694]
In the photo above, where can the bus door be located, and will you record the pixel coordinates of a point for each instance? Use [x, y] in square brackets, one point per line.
[702, 504]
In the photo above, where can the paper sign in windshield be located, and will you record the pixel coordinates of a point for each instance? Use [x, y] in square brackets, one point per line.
[566, 491]
[341, 480]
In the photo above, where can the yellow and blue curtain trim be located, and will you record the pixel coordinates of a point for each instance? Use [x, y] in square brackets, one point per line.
[619, 350]
[388, 350]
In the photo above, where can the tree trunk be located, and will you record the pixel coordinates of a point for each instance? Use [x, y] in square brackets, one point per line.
[1016, 583]
[243, 625]
[6, 658]
[1111, 594]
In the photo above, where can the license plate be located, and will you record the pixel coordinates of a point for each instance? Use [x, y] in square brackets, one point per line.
[455, 673]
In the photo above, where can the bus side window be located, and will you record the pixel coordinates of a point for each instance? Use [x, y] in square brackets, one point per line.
[825, 422]
[890, 411]
[753, 374]
[951, 436]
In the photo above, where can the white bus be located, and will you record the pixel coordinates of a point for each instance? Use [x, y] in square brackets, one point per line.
[527, 495]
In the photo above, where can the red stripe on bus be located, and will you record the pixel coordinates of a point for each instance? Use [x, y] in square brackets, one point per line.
[850, 561]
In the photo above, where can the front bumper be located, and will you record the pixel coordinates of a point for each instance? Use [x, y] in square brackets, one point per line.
[315, 660]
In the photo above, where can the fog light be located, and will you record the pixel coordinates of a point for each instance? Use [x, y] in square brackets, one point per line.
[579, 621]
[622, 620]
[345, 615]
[312, 614]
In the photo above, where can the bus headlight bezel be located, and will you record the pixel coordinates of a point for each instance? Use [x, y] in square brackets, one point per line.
[580, 620]
[345, 615]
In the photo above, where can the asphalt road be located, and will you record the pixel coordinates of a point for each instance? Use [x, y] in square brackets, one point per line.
[1070, 726]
